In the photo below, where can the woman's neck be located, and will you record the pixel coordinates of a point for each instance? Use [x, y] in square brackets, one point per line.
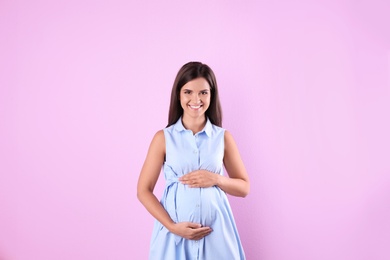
[194, 124]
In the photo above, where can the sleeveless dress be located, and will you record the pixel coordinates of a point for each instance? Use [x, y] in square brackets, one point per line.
[186, 152]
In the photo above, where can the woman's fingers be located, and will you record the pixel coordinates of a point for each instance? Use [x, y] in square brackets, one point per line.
[193, 225]
[192, 231]
[199, 179]
[199, 233]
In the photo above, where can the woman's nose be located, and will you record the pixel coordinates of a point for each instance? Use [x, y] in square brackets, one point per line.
[196, 99]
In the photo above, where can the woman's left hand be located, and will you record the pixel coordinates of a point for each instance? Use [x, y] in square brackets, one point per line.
[200, 179]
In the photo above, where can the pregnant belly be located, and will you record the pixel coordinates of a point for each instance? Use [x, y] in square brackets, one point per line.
[199, 205]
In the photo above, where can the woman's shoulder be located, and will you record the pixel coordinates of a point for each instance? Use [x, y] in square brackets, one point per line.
[160, 132]
[227, 134]
[157, 145]
[159, 137]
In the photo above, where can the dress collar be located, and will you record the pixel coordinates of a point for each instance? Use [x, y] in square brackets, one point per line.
[207, 128]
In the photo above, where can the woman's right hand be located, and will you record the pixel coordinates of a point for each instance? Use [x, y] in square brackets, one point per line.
[190, 230]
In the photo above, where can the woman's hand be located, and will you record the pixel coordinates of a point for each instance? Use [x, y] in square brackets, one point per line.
[190, 230]
[200, 179]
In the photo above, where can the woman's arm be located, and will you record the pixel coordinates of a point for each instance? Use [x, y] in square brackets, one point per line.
[148, 179]
[237, 184]
[146, 183]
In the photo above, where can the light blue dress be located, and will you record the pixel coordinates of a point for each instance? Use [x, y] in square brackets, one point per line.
[186, 152]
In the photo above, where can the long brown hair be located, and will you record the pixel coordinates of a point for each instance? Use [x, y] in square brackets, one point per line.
[190, 71]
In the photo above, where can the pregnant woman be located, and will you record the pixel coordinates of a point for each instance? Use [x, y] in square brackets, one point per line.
[194, 219]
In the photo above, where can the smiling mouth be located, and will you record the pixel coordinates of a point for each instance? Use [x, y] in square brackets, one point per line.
[195, 107]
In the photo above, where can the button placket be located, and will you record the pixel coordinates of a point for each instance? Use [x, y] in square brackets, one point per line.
[196, 164]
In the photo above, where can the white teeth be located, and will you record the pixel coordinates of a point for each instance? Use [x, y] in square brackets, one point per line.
[195, 107]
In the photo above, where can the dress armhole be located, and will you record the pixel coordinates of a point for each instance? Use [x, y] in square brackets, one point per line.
[223, 142]
[223, 147]
[165, 143]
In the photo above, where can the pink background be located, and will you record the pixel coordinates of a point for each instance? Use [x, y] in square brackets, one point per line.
[305, 88]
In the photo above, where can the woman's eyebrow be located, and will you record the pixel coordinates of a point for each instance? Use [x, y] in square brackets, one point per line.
[186, 89]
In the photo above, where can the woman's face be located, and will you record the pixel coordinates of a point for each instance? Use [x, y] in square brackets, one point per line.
[195, 97]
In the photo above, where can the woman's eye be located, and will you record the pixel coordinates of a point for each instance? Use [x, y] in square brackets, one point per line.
[187, 92]
[205, 93]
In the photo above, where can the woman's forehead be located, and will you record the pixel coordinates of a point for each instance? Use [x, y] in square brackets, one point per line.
[197, 84]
